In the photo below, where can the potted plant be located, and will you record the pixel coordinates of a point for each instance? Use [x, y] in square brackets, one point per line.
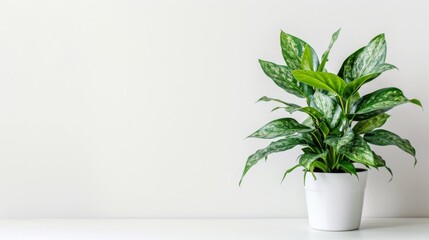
[340, 126]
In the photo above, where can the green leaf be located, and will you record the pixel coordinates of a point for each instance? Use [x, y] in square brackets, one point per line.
[338, 142]
[383, 137]
[358, 151]
[378, 102]
[346, 71]
[280, 127]
[289, 171]
[282, 76]
[312, 112]
[324, 128]
[309, 122]
[326, 53]
[321, 80]
[277, 146]
[348, 167]
[371, 123]
[307, 159]
[307, 59]
[293, 49]
[371, 56]
[353, 86]
[328, 107]
[322, 166]
[381, 163]
[290, 107]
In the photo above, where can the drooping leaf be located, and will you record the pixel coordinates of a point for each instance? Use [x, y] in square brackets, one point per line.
[371, 123]
[338, 142]
[307, 159]
[289, 171]
[378, 102]
[371, 56]
[358, 151]
[380, 162]
[282, 76]
[321, 80]
[326, 53]
[346, 71]
[277, 146]
[383, 137]
[267, 99]
[293, 50]
[312, 112]
[307, 59]
[280, 127]
[328, 107]
[348, 167]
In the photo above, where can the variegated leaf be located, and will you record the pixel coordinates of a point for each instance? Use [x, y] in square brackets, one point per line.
[307, 159]
[379, 102]
[280, 127]
[326, 53]
[371, 56]
[346, 71]
[290, 107]
[293, 49]
[383, 137]
[328, 107]
[338, 142]
[358, 151]
[282, 76]
[371, 123]
[380, 162]
[277, 146]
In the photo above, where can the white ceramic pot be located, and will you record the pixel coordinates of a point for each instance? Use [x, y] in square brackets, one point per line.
[335, 200]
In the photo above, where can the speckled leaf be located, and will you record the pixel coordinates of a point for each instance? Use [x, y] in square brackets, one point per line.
[293, 49]
[379, 102]
[380, 162]
[371, 56]
[280, 127]
[283, 77]
[307, 59]
[312, 112]
[383, 137]
[277, 146]
[326, 53]
[290, 107]
[338, 142]
[307, 159]
[358, 150]
[328, 107]
[321, 80]
[346, 71]
[371, 123]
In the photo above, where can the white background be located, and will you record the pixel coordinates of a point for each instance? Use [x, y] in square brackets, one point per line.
[140, 108]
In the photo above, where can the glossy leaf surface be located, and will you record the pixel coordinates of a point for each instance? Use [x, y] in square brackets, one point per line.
[277, 146]
[293, 50]
[371, 123]
[280, 127]
[326, 53]
[321, 80]
[383, 137]
[358, 151]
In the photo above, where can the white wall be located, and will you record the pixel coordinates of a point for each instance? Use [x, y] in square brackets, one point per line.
[140, 108]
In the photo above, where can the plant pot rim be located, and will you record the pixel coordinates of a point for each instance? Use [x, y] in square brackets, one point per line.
[358, 170]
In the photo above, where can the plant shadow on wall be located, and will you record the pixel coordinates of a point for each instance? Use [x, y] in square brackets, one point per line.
[340, 122]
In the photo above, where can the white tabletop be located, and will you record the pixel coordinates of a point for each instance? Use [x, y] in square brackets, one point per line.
[231, 229]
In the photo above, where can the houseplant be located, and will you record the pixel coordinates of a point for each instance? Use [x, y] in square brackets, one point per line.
[340, 126]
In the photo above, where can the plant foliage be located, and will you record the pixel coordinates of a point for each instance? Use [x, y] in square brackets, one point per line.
[341, 124]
